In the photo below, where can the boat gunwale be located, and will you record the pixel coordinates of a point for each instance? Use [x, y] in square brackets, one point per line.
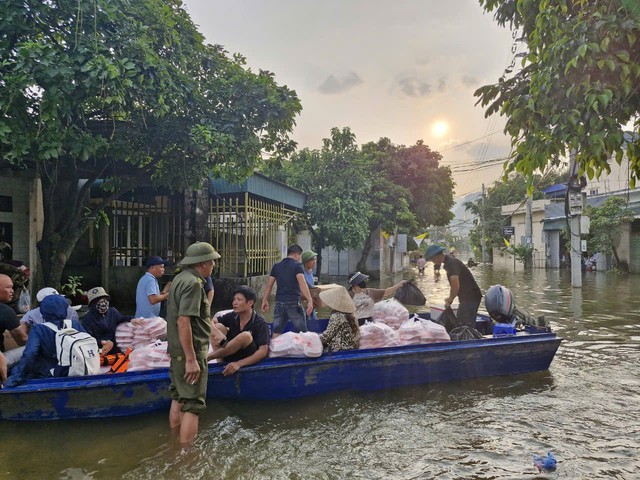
[161, 374]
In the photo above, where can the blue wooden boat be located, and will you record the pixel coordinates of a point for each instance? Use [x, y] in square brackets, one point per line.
[283, 378]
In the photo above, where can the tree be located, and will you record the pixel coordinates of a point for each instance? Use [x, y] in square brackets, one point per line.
[337, 180]
[390, 202]
[127, 92]
[578, 85]
[417, 169]
[605, 226]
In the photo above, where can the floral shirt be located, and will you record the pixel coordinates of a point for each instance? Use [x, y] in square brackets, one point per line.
[338, 334]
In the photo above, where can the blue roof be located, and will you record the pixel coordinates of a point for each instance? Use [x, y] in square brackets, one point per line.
[258, 184]
[555, 189]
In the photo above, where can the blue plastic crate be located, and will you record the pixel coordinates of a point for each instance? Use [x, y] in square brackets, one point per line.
[503, 329]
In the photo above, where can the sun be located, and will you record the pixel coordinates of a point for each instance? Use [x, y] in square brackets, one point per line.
[439, 128]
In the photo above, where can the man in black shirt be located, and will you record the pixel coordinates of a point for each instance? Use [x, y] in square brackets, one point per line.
[246, 333]
[461, 285]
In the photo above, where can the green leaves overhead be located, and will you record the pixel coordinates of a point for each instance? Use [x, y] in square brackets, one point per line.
[133, 82]
[577, 88]
[353, 191]
[129, 92]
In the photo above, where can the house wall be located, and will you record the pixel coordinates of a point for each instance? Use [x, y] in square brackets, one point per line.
[20, 188]
[25, 219]
[539, 238]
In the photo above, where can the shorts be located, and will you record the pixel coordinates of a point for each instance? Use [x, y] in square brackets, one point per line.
[292, 312]
[192, 397]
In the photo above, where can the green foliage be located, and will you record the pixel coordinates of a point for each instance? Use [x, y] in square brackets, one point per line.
[72, 287]
[413, 174]
[353, 191]
[606, 223]
[577, 85]
[523, 253]
[337, 180]
[130, 93]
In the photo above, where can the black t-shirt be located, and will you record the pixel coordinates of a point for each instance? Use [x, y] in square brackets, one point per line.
[8, 321]
[286, 272]
[469, 289]
[258, 328]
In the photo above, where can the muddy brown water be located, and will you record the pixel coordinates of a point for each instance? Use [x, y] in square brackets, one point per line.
[585, 409]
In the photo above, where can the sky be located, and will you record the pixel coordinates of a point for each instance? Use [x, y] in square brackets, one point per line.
[402, 69]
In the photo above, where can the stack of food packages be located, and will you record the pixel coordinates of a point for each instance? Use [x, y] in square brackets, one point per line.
[138, 337]
[393, 326]
[290, 344]
[153, 355]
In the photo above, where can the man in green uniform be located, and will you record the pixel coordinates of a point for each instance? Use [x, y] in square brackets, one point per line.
[188, 332]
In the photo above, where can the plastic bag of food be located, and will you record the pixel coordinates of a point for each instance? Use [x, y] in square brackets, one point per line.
[390, 312]
[378, 335]
[291, 344]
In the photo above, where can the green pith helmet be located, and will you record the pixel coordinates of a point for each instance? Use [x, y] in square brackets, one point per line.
[199, 252]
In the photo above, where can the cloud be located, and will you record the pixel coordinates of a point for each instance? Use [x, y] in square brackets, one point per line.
[442, 85]
[414, 87]
[333, 85]
[469, 81]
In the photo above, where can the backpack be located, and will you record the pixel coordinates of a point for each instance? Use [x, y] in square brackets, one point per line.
[76, 350]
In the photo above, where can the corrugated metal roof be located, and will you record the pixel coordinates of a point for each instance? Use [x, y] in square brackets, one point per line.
[263, 186]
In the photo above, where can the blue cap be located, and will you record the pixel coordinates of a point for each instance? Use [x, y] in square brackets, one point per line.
[432, 251]
[153, 261]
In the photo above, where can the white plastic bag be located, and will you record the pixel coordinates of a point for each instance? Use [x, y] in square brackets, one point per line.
[291, 344]
[378, 335]
[150, 356]
[390, 312]
[433, 332]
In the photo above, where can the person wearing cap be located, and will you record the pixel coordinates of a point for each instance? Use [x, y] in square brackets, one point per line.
[308, 264]
[364, 298]
[8, 322]
[102, 320]
[188, 337]
[461, 284]
[289, 274]
[149, 298]
[39, 359]
[343, 331]
[34, 316]
[246, 333]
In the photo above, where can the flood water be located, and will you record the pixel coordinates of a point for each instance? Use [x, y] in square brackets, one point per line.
[585, 409]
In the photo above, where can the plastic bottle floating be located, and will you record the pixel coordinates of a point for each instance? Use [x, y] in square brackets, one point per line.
[545, 464]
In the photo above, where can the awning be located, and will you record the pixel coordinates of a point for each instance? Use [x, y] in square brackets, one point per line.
[554, 224]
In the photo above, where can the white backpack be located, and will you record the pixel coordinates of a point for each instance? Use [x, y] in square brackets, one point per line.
[76, 350]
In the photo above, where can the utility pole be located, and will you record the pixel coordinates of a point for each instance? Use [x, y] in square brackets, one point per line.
[575, 211]
[484, 247]
[528, 225]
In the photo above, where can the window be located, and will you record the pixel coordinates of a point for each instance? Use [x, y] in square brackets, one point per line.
[6, 203]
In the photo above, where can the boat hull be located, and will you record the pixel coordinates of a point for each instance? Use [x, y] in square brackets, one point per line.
[284, 378]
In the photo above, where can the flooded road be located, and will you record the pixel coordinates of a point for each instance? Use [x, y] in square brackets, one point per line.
[585, 409]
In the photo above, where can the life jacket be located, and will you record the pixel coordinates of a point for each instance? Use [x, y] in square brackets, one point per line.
[121, 363]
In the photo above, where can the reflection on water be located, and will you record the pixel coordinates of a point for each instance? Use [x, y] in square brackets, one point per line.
[586, 409]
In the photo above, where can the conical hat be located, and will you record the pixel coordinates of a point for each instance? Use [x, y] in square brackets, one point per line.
[338, 299]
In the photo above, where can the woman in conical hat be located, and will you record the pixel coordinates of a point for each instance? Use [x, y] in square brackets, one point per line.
[342, 332]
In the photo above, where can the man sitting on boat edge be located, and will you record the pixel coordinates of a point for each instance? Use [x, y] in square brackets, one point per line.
[242, 335]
